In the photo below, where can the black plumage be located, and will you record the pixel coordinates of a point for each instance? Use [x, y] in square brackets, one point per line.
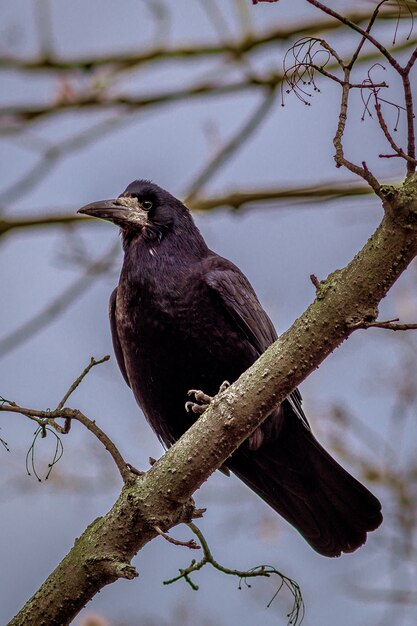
[182, 317]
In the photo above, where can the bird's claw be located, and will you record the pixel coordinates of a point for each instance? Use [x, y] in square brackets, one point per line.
[203, 400]
[225, 384]
[195, 408]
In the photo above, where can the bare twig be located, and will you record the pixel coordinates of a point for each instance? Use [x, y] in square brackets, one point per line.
[295, 74]
[365, 33]
[340, 159]
[404, 72]
[59, 304]
[238, 200]
[231, 146]
[389, 325]
[48, 418]
[187, 544]
[411, 140]
[80, 378]
[52, 154]
[162, 54]
[126, 103]
[355, 55]
[295, 616]
[59, 450]
[399, 151]
[315, 281]
[45, 220]
[411, 62]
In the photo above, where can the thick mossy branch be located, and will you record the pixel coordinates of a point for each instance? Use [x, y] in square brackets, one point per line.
[161, 497]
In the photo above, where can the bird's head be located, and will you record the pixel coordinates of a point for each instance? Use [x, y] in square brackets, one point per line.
[142, 209]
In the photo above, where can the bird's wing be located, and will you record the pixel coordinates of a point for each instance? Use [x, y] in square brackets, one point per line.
[243, 306]
[116, 343]
[240, 301]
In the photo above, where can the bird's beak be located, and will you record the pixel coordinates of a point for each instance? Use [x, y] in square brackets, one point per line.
[123, 211]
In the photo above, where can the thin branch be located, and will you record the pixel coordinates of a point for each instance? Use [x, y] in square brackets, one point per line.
[233, 199]
[399, 151]
[80, 378]
[53, 153]
[388, 324]
[48, 219]
[240, 200]
[295, 616]
[411, 141]
[411, 62]
[162, 54]
[13, 115]
[124, 468]
[315, 281]
[340, 159]
[231, 146]
[186, 544]
[59, 304]
[48, 418]
[366, 35]
[402, 71]
[362, 41]
[41, 432]
[19, 114]
[391, 156]
[320, 69]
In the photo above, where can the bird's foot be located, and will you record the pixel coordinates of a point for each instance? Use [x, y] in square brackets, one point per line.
[203, 400]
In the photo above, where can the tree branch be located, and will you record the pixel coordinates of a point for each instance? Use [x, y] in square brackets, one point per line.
[48, 418]
[60, 303]
[365, 33]
[19, 114]
[80, 378]
[231, 146]
[389, 325]
[130, 60]
[234, 200]
[295, 616]
[161, 497]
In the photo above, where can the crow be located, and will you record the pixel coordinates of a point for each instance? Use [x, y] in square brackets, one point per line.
[184, 318]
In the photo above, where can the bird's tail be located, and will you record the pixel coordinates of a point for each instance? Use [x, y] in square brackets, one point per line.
[303, 483]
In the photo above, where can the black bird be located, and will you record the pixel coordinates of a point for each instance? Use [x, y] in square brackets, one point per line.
[183, 317]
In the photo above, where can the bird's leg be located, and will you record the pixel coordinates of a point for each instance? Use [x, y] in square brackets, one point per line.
[203, 400]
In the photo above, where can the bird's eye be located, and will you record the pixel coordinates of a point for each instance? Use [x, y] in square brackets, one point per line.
[147, 205]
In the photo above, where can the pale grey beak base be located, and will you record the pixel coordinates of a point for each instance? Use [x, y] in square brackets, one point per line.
[121, 211]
